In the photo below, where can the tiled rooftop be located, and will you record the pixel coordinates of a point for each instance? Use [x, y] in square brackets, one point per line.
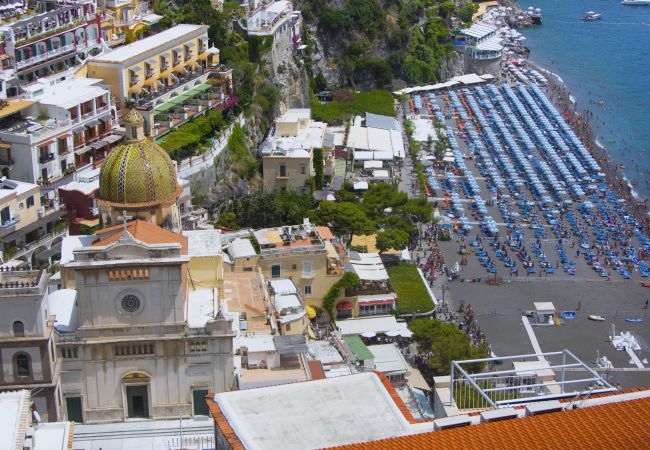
[142, 231]
[609, 426]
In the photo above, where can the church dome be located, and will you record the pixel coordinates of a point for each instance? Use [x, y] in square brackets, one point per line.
[137, 173]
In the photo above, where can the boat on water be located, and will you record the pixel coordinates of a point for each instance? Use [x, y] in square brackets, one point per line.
[591, 16]
[596, 318]
[634, 319]
[635, 2]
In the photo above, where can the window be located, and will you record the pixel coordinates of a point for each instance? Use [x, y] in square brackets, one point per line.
[200, 406]
[22, 366]
[275, 271]
[73, 405]
[134, 349]
[198, 346]
[288, 327]
[307, 290]
[283, 170]
[303, 170]
[130, 304]
[5, 215]
[69, 352]
[19, 329]
[21, 205]
[306, 267]
[30, 201]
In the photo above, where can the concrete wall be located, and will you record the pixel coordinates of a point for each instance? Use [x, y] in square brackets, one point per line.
[98, 377]
[207, 271]
[320, 282]
[294, 179]
[29, 310]
[161, 297]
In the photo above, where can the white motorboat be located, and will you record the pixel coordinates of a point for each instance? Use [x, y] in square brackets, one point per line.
[590, 16]
[635, 2]
[596, 318]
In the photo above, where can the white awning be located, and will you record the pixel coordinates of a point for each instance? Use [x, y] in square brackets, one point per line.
[363, 156]
[379, 325]
[372, 164]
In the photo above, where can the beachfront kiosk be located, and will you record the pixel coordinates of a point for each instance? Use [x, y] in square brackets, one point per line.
[544, 313]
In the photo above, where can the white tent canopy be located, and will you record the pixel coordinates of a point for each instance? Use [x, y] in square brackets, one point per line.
[369, 267]
[372, 164]
[379, 325]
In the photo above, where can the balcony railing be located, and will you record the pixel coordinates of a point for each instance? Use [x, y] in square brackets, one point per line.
[42, 32]
[368, 290]
[13, 221]
[307, 275]
[45, 56]
[46, 158]
[6, 161]
[146, 100]
[43, 240]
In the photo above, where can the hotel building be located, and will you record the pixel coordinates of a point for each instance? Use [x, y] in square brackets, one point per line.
[169, 77]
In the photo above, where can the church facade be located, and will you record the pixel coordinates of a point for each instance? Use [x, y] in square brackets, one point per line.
[151, 341]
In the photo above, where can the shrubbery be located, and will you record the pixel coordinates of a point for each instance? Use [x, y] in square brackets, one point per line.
[192, 133]
[347, 104]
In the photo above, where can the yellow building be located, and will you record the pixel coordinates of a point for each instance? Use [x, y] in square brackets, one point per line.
[125, 18]
[29, 231]
[287, 155]
[205, 269]
[173, 74]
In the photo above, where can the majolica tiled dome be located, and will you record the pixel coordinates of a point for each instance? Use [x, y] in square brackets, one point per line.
[137, 173]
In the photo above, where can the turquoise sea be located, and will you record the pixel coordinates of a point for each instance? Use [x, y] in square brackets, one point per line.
[607, 60]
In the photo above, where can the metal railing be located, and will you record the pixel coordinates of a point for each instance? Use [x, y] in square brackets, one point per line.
[45, 56]
[41, 241]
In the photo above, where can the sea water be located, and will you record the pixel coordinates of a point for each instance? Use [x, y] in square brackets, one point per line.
[606, 60]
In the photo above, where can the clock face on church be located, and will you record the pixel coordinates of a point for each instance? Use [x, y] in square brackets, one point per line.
[129, 304]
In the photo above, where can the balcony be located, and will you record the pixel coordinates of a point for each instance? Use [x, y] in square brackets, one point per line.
[43, 159]
[13, 221]
[307, 275]
[32, 131]
[41, 241]
[22, 38]
[45, 56]
[6, 162]
[371, 288]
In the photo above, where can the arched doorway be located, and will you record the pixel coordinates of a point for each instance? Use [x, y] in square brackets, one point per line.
[136, 395]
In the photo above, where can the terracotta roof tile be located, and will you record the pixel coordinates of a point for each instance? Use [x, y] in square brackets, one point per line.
[316, 370]
[324, 233]
[222, 423]
[614, 425]
[142, 231]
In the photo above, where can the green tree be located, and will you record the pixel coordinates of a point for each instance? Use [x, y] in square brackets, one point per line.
[396, 222]
[228, 220]
[320, 82]
[318, 168]
[348, 280]
[261, 210]
[344, 218]
[417, 210]
[380, 196]
[395, 239]
[446, 343]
